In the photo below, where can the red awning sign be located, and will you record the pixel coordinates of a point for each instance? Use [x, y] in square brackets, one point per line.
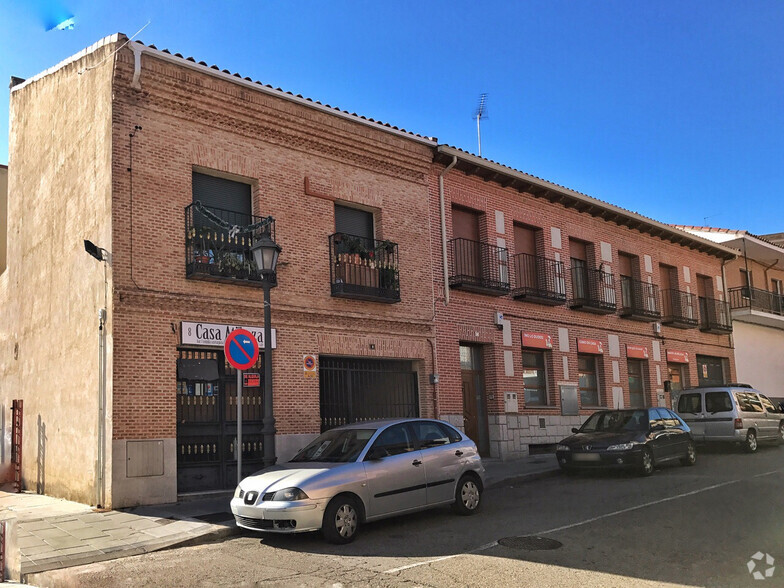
[593, 346]
[637, 351]
[537, 340]
[677, 356]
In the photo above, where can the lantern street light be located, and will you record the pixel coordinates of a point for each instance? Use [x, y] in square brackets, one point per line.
[265, 254]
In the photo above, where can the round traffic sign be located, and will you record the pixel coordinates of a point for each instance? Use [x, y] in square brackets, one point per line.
[241, 349]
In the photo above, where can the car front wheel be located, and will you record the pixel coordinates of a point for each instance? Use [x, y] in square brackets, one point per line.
[341, 520]
[691, 455]
[646, 462]
[468, 496]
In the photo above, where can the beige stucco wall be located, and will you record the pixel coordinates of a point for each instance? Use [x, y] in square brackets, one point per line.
[759, 357]
[3, 215]
[60, 186]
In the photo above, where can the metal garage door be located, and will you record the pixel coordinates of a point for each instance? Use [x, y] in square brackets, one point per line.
[357, 389]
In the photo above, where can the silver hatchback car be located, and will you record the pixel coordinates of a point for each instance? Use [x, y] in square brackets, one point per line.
[735, 413]
[360, 473]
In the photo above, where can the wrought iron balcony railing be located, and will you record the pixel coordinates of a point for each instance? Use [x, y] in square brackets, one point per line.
[538, 279]
[755, 299]
[218, 242]
[639, 300]
[478, 267]
[715, 316]
[679, 309]
[592, 291]
[364, 269]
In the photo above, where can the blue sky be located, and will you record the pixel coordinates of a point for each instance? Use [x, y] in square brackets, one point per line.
[671, 109]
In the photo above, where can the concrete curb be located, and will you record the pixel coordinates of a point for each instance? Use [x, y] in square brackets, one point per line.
[523, 478]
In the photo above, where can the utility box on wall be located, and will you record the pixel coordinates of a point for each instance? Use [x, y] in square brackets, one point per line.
[569, 406]
[510, 402]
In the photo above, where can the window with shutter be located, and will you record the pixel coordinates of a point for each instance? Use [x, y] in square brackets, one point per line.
[353, 221]
[221, 193]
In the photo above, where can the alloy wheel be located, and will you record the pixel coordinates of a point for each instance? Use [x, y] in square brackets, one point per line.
[469, 494]
[346, 521]
[647, 462]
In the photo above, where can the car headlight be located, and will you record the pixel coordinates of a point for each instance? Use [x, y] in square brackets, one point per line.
[620, 447]
[289, 495]
[238, 493]
[562, 448]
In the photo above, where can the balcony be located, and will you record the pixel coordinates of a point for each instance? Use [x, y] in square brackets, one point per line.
[760, 307]
[715, 316]
[538, 279]
[639, 300]
[679, 309]
[478, 267]
[217, 244]
[592, 291]
[363, 269]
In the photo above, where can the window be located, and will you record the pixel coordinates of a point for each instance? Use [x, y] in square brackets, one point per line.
[534, 378]
[353, 221]
[747, 402]
[588, 380]
[432, 434]
[636, 383]
[767, 404]
[717, 402]
[223, 194]
[690, 403]
[667, 418]
[392, 441]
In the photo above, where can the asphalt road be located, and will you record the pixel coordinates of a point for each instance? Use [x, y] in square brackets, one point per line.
[696, 526]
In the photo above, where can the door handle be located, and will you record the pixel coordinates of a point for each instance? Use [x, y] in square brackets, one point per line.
[416, 462]
[458, 453]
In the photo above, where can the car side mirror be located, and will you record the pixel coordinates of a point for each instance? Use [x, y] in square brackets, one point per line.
[575, 430]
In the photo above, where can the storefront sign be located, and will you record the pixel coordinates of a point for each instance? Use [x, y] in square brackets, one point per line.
[637, 351]
[250, 380]
[214, 335]
[537, 340]
[590, 346]
[309, 366]
[677, 356]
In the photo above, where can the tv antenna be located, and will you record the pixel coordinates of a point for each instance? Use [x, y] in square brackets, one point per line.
[481, 112]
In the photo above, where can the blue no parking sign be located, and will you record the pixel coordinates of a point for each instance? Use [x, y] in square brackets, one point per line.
[241, 349]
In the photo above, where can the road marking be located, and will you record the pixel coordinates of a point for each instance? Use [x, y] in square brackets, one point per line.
[638, 507]
[585, 522]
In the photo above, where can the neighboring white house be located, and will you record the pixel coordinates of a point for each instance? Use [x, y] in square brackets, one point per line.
[754, 285]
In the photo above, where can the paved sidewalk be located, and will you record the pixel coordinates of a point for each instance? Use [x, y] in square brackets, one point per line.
[53, 533]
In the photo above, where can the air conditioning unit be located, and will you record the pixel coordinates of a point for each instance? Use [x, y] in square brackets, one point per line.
[657, 328]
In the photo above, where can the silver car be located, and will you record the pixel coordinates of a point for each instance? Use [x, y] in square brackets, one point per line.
[360, 473]
[735, 413]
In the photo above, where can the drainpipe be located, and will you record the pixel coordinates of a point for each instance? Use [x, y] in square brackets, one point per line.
[443, 227]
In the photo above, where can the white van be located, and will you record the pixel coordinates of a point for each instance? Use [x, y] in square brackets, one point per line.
[735, 413]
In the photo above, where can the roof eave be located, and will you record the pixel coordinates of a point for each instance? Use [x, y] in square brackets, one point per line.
[521, 181]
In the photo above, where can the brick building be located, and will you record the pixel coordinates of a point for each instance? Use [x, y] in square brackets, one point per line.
[755, 287]
[140, 151]
[560, 304]
[556, 303]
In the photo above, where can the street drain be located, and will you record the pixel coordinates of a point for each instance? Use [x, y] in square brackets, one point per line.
[530, 543]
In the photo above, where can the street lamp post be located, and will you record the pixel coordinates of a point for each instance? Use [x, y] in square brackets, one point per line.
[265, 253]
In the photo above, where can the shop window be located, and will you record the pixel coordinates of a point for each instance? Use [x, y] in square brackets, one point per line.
[535, 378]
[588, 380]
[636, 383]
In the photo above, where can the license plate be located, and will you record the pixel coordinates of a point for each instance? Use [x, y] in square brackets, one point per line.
[586, 457]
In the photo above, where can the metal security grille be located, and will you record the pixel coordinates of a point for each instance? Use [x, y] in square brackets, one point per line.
[355, 389]
[207, 427]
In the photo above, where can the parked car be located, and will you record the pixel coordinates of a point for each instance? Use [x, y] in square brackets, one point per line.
[362, 472]
[636, 439]
[735, 413]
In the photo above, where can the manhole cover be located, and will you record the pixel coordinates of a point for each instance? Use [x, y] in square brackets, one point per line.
[530, 543]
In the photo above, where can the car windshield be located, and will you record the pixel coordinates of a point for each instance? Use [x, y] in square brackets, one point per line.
[337, 445]
[615, 421]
